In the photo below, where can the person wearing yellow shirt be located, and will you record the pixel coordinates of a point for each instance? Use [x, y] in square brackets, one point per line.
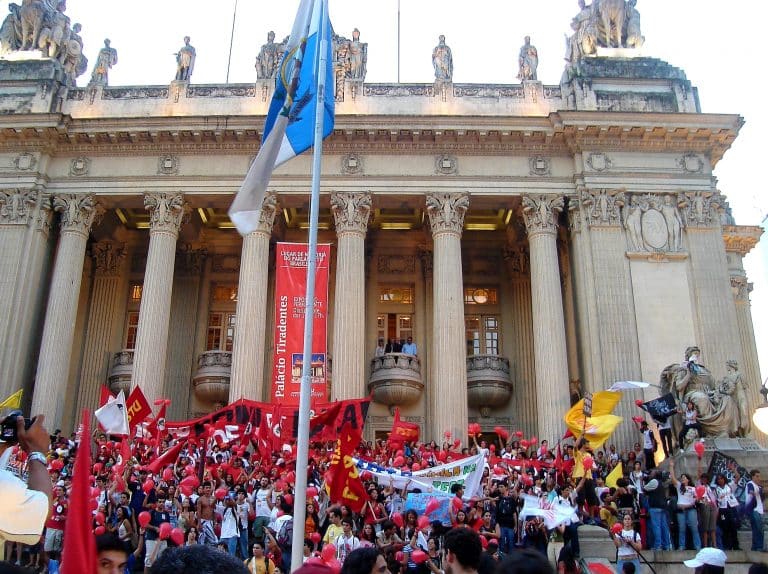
[334, 529]
[259, 563]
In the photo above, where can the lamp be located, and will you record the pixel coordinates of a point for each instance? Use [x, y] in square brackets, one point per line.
[760, 417]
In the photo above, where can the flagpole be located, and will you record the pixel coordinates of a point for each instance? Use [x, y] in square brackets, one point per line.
[231, 39]
[302, 450]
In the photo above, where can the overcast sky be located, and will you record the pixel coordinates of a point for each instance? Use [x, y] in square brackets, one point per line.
[720, 46]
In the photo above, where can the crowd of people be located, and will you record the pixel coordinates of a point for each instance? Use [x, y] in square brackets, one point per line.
[239, 501]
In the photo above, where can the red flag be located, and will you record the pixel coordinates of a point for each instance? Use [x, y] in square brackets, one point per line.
[402, 432]
[156, 428]
[168, 457]
[138, 407]
[79, 553]
[322, 427]
[343, 477]
[125, 451]
[104, 395]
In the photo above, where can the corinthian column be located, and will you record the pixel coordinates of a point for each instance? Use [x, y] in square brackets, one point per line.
[449, 366]
[247, 379]
[350, 212]
[167, 211]
[77, 215]
[550, 354]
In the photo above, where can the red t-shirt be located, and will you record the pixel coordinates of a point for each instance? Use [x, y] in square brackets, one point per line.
[58, 515]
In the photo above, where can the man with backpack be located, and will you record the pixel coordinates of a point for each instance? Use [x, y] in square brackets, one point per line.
[284, 537]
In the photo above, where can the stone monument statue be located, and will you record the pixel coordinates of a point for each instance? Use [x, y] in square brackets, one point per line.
[106, 59]
[73, 61]
[185, 61]
[528, 61]
[10, 31]
[634, 37]
[717, 403]
[442, 61]
[269, 58]
[357, 57]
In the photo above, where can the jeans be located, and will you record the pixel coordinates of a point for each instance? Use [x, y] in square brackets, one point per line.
[231, 544]
[660, 527]
[243, 543]
[507, 540]
[666, 440]
[688, 518]
[620, 565]
[756, 522]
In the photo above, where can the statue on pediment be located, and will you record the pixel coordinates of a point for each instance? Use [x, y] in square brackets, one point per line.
[268, 59]
[10, 31]
[357, 57]
[528, 61]
[72, 59]
[442, 61]
[185, 61]
[106, 59]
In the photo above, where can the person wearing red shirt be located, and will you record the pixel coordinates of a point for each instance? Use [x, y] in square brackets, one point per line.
[54, 526]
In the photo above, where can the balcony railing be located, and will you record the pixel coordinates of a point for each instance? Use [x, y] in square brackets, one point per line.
[395, 379]
[121, 372]
[211, 380]
[489, 383]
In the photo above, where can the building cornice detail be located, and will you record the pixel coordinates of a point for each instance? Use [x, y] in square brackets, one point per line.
[741, 239]
[602, 207]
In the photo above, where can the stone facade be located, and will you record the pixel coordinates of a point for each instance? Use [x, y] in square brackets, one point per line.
[534, 243]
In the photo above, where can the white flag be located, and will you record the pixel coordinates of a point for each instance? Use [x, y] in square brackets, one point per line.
[114, 416]
[628, 385]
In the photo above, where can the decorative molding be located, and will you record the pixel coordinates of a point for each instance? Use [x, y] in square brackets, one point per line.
[446, 165]
[575, 216]
[225, 91]
[25, 161]
[166, 211]
[168, 165]
[602, 207]
[518, 259]
[108, 257]
[17, 206]
[488, 91]
[78, 211]
[396, 264]
[540, 212]
[351, 164]
[539, 165]
[690, 163]
[393, 90]
[267, 214]
[701, 209]
[80, 166]
[741, 239]
[351, 211]
[446, 212]
[129, 93]
[741, 288]
[599, 162]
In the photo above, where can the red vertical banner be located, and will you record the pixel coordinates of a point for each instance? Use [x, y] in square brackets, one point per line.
[290, 291]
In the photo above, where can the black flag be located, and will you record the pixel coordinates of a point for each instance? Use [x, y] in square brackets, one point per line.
[662, 408]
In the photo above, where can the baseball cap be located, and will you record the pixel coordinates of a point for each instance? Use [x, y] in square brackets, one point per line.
[709, 556]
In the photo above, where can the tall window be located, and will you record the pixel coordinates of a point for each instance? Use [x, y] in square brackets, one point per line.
[221, 331]
[132, 316]
[482, 335]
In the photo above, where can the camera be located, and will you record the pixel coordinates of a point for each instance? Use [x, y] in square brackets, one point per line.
[8, 433]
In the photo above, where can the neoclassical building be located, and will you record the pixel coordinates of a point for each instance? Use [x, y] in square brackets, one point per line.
[537, 243]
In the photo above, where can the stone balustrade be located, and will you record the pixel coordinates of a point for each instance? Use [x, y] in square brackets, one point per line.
[395, 379]
[121, 372]
[489, 383]
[211, 381]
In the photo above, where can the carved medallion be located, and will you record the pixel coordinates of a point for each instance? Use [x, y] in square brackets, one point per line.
[539, 165]
[654, 229]
[446, 165]
[691, 163]
[599, 161]
[79, 166]
[351, 164]
[25, 161]
[168, 165]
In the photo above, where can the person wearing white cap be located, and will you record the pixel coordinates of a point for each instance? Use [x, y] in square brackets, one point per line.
[708, 561]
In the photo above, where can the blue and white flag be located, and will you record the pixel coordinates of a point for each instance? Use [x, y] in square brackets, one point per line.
[290, 125]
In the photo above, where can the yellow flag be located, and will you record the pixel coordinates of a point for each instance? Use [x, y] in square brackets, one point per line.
[614, 475]
[600, 426]
[12, 402]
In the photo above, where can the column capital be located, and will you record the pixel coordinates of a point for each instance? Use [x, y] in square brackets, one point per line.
[166, 211]
[540, 213]
[267, 214]
[78, 211]
[108, 256]
[741, 287]
[446, 212]
[602, 207]
[701, 208]
[351, 211]
[25, 207]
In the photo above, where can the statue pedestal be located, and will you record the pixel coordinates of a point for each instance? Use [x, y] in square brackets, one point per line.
[746, 451]
[28, 83]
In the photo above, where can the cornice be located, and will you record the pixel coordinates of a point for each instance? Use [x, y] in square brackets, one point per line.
[741, 239]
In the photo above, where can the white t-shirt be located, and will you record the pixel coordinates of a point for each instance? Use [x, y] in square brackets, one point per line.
[23, 511]
[686, 496]
[625, 549]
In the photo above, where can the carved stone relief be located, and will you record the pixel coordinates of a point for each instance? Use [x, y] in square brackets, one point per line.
[351, 164]
[518, 259]
[78, 211]
[691, 163]
[602, 207]
[17, 206]
[190, 259]
[226, 263]
[79, 166]
[599, 162]
[397, 264]
[653, 223]
[25, 161]
[446, 165]
[446, 211]
[701, 209]
[351, 211]
[539, 165]
[741, 288]
[168, 165]
[540, 212]
[107, 257]
[167, 211]
[426, 256]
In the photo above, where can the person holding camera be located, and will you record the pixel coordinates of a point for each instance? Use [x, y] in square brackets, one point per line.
[24, 507]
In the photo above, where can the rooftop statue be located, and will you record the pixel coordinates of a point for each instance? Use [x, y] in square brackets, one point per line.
[442, 61]
[185, 61]
[722, 408]
[106, 59]
[357, 57]
[268, 59]
[528, 61]
[42, 25]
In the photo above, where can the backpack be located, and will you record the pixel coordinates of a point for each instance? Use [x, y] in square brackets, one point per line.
[285, 536]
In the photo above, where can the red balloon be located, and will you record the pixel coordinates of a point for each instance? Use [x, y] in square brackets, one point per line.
[220, 494]
[492, 448]
[334, 565]
[639, 402]
[701, 490]
[311, 492]
[519, 434]
[432, 505]
[617, 528]
[119, 484]
[423, 522]
[99, 530]
[637, 419]
[97, 468]
[148, 485]
[458, 504]
[328, 552]
[165, 530]
[291, 477]
[399, 461]
[315, 537]
[93, 505]
[524, 443]
[99, 518]
[397, 518]
[447, 434]
[484, 542]
[186, 489]
[533, 440]
[177, 536]
[419, 556]
[144, 518]
[95, 492]
[168, 474]
[416, 466]
[442, 456]
[699, 448]
[57, 464]
[456, 443]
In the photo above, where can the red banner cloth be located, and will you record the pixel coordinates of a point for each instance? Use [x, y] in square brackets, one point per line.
[138, 408]
[402, 432]
[290, 290]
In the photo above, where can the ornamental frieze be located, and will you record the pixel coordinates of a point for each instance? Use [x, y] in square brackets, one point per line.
[166, 211]
[602, 207]
[108, 256]
[701, 209]
[17, 206]
[653, 223]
